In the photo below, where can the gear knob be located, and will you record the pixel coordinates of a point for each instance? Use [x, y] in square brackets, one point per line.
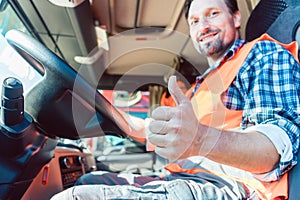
[12, 102]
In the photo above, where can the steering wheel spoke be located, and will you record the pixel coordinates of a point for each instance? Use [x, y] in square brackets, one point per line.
[63, 103]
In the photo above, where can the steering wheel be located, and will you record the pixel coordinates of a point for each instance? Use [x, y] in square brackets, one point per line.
[63, 103]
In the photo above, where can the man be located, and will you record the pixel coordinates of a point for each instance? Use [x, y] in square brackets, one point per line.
[236, 134]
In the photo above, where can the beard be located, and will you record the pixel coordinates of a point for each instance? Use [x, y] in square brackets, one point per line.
[212, 49]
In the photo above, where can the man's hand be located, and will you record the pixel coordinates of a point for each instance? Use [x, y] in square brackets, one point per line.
[175, 130]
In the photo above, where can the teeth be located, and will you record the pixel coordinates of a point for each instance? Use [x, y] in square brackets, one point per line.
[203, 39]
[206, 37]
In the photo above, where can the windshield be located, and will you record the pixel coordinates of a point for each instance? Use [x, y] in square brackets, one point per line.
[11, 63]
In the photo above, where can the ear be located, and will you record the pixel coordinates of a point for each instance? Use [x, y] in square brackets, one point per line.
[237, 19]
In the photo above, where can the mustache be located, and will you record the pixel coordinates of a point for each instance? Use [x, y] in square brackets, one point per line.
[207, 33]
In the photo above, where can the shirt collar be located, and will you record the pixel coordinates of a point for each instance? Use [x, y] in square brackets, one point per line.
[232, 50]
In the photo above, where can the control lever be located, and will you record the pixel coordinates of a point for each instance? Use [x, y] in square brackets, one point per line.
[24, 148]
[12, 102]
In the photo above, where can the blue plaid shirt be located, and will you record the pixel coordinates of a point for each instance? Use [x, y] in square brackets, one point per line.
[267, 89]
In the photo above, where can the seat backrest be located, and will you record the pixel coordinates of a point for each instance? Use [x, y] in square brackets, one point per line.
[281, 20]
[294, 182]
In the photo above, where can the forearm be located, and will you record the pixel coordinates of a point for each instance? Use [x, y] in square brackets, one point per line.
[136, 127]
[250, 151]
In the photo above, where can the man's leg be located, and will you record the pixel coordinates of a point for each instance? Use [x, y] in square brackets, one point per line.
[109, 178]
[160, 190]
[173, 189]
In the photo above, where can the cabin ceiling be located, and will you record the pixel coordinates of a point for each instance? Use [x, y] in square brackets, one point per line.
[152, 35]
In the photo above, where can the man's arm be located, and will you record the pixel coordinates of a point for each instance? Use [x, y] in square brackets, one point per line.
[250, 150]
[136, 127]
[177, 134]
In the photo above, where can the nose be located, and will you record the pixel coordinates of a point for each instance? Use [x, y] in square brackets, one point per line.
[199, 29]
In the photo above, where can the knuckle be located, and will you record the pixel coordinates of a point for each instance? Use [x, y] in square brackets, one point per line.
[174, 127]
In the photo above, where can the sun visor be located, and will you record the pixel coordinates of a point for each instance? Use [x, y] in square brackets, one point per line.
[68, 30]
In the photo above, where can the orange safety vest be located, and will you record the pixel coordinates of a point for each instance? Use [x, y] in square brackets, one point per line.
[211, 111]
[168, 100]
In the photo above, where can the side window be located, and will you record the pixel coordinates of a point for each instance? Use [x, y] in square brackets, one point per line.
[11, 63]
[8, 19]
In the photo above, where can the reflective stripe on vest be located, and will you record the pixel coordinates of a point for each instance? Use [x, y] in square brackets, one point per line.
[211, 111]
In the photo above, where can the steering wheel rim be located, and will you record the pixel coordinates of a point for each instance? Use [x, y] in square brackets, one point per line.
[51, 100]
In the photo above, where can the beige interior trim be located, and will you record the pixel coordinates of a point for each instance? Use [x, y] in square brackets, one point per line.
[251, 4]
[178, 11]
[120, 15]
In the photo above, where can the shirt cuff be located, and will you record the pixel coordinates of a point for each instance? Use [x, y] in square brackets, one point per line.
[282, 144]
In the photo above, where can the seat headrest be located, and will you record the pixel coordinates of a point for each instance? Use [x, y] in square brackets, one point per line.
[279, 18]
[263, 16]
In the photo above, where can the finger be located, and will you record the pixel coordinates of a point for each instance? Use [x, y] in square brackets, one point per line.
[162, 113]
[158, 139]
[158, 127]
[162, 152]
[176, 92]
[165, 153]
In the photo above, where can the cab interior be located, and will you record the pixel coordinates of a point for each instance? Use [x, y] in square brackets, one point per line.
[91, 59]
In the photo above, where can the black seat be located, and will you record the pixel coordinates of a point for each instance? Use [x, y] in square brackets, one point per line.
[281, 20]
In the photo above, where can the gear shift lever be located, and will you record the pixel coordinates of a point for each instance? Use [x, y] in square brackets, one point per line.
[24, 148]
[12, 102]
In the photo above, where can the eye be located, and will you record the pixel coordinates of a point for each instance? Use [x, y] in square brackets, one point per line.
[194, 21]
[214, 13]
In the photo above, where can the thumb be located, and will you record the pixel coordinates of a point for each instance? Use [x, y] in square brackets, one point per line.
[176, 93]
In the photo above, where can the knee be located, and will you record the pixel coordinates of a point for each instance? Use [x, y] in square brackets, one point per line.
[84, 180]
[91, 178]
[81, 192]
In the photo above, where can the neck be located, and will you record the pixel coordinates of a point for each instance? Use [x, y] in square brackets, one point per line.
[211, 62]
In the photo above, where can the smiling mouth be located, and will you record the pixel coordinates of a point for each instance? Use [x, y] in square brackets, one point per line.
[207, 36]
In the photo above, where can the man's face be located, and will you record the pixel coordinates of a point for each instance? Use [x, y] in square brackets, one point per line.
[212, 27]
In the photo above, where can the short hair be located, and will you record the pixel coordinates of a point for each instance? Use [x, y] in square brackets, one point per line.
[231, 4]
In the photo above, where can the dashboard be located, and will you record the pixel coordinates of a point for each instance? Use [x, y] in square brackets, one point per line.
[67, 165]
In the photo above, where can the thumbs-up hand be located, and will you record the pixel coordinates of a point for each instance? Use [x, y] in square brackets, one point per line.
[175, 130]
